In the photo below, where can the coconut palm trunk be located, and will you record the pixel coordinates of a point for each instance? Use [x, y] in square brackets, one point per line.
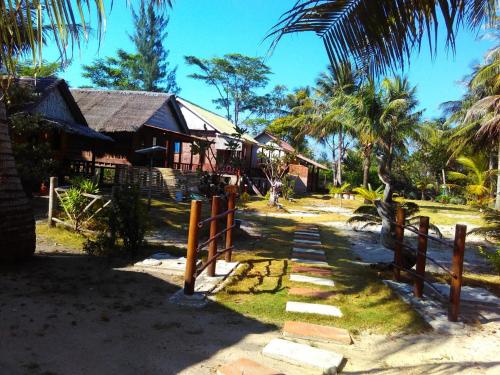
[367, 159]
[497, 199]
[17, 224]
[339, 160]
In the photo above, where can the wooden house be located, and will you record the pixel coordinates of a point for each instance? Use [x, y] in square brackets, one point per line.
[218, 131]
[305, 171]
[70, 137]
[137, 120]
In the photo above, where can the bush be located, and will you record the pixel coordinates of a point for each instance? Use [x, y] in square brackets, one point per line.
[493, 258]
[102, 245]
[458, 200]
[287, 187]
[443, 198]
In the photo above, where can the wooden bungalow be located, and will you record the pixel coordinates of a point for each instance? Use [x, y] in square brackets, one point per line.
[304, 170]
[71, 139]
[218, 130]
[137, 120]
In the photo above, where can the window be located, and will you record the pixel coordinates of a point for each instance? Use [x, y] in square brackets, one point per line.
[177, 147]
[154, 141]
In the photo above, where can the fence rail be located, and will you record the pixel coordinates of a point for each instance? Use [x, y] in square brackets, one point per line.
[420, 252]
[193, 247]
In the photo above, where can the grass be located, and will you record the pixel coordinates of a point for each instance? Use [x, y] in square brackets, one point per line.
[60, 235]
[260, 288]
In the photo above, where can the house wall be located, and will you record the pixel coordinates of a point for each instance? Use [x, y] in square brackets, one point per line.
[300, 174]
[53, 106]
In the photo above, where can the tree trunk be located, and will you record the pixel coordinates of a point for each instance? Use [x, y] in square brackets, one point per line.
[386, 209]
[17, 223]
[273, 196]
[422, 196]
[367, 153]
[339, 160]
[497, 199]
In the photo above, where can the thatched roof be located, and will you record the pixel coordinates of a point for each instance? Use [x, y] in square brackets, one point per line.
[53, 101]
[127, 111]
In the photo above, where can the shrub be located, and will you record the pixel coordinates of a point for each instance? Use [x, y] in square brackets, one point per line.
[458, 200]
[287, 187]
[443, 198]
[493, 258]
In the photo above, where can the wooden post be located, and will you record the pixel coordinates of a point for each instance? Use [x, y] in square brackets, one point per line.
[418, 285]
[189, 274]
[52, 194]
[400, 233]
[457, 265]
[212, 246]
[230, 222]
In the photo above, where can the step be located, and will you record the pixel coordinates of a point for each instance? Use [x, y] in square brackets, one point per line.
[303, 355]
[313, 308]
[309, 256]
[304, 250]
[306, 233]
[311, 292]
[310, 261]
[312, 242]
[316, 332]
[247, 367]
[317, 271]
[311, 280]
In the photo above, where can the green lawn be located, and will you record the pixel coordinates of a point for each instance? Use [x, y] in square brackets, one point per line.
[259, 289]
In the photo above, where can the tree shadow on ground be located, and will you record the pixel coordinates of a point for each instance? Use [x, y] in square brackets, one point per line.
[79, 315]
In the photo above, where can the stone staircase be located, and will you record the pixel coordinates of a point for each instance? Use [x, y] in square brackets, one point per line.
[310, 268]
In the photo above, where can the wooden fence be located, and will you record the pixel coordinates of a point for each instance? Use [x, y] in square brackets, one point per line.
[193, 267]
[458, 248]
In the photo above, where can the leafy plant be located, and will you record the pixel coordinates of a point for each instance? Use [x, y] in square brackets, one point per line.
[288, 187]
[339, 190]
[493, 257]
[368, 194]
[492, 228]
[74, 201]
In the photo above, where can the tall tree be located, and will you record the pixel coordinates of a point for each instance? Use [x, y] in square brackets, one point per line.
[21, 37]
[149, 38]
[236, 78]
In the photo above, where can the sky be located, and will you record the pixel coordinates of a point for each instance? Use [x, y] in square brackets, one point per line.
[208, 28]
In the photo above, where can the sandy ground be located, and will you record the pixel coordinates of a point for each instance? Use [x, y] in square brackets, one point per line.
[70, 314]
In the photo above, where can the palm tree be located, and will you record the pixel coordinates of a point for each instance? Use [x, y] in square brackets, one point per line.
[21, 36]
[476, 179]
[478, 113]
[333, 88]
[366, 110]
[398, 122]
[381, 35]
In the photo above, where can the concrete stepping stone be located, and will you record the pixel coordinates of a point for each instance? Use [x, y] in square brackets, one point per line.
[313, 308]
[311, 292]
[308, 251]
[303, 355]
[312, 270]
[309, 234]
[311, 280]
[316, 332]
[309, 256]
[247, 367]
[312, 242]
[310, 261]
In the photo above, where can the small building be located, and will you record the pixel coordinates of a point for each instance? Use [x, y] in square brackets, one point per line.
[305, 171]
[219, 131]
[137, 120]
[71, 138]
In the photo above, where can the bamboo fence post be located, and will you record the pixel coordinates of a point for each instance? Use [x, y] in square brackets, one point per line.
[50, 214]
[192, 246]
[418, 286]
[457, 266]
[212, 247]
[230, 223]
[400, 232]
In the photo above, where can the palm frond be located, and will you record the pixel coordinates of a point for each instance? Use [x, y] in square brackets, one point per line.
[380, 35]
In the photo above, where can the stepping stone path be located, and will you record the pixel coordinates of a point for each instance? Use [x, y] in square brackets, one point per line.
[303, 355]
[311, 280]
[306, 250]
[311, 292]
[313, 308]
[320, 333]
[247, 367]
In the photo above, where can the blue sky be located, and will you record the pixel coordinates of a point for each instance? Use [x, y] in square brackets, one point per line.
[207, 28]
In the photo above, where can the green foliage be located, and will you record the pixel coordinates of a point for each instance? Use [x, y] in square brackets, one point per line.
[339, 189]
[44, 69]
[288, 187]
[130, 218]
[493, 258]
[236, 78]
[73, 201]
[492, 228]
[32, 149]
[102, 245]
[369, 194]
